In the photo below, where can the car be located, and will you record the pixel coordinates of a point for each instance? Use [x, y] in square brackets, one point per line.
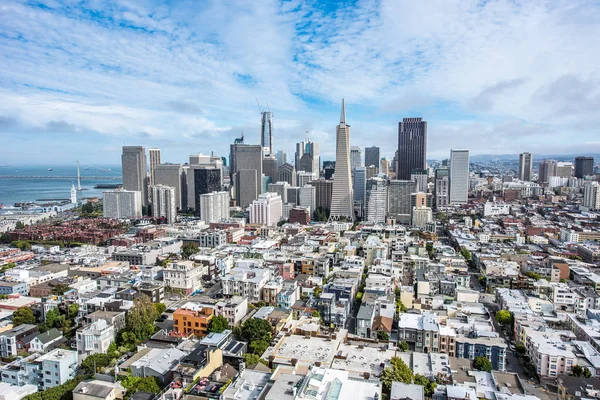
[174, 298]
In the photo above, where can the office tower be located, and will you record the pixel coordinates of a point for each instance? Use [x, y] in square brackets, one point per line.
[355, 157]
[385, 166]
[266, 132]
[280, 188]
[307, 197]
[584, 166]
[281, 158]
[266, 210]
[214, 206]
[421, 199]
[412, 147]
[371, 171]
[459, 176]
[135, 171]
[525, 166]
[547, 169]
[293, 195]
[329, 171]
[270, 168]
[591, 196]
[299, 215]
[246, 157]
[206, 180]
[323, 192]
[342, 202]
[200, 161]
[154, 155]
[564, 169]
[172, 175]
[420, 176]
[303, 178]
[399, 199]
[163, 203]
[287, 173]
[359, 186]
[442, 188]
[122, 204]
[376, 207]
[372, 157]
[307, 157]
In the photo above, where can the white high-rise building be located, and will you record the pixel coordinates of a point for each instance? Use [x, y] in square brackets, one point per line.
[266, 132]
[172, 175]
[591, 196]
[376, 208]
[122, 204]
[304, 178]
[459, 176]
[307, 197]
[266, 210]
[342, 200]
[154, 155]
[163, 203]
[214, 206]
[355, 157]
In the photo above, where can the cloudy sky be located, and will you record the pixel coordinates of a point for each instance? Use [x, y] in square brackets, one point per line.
[79, 79]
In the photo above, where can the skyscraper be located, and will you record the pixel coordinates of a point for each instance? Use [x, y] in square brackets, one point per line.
[584, 166]
[135, 170]
[564, 169]
[442, 188]
[412, 146]
[355, 157]
[266, 210]
[266, 132]
[342, 200]
[372, 157]
[385, 166]
[122, 204]
[307, 157]
[399, 193]
[172, 175]
[359, 186]
[420, 176]
[269, 164]
[200, 161]
[525, 166]
[287, 173]
[459, 176]
[323, 192]
[154, 155]
[214, 206]
[376, 207]
[246, 157]
[163, 203]
[206, 180]
[547, 169]
[591, 196]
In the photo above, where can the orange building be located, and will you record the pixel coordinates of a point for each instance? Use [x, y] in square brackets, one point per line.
[192, 321]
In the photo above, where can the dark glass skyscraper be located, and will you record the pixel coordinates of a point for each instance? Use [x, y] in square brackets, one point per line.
[372, 156]
[412, 146]
[584, 166]
[206, 180]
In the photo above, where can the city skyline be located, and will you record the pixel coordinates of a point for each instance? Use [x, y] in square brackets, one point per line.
[185, 79]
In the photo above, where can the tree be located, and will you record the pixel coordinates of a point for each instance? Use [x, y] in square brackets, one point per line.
[54, 319]
[465, 253]
[383, 335]
[428, 385]
[533, 275]
[253, 359]
[503, 317]
[5, 238]
[98, 360]
[60, 289]
[87, 208]
[133, 384]
[581, 372]
[317, 291]
[160, 308]
[218, 324]
[258, 347]
[140, 318]
[520, 348]
[400, 307]
[482, 364]
[257, 330]
[23, 315]
[359, 297]
[403, 346]
[189, 249]
[61, 392]
[19, 225]
[73, 310]
[399, 372]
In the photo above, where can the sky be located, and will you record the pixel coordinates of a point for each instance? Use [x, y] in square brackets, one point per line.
[80, 79]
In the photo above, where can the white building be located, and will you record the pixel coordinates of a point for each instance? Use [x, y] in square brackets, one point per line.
[550, 355]
[214, 206]
[122, 204]
[308, 197]
[303, 178]
[376, 209]
[569, 236]
[266, 210]
[421, 216]
[459, 176]
[233, 309]
[163, 203]
[94, 338]
[57, 367]
[184, 275]
[591, 196]
[493, 209]
[246, 281]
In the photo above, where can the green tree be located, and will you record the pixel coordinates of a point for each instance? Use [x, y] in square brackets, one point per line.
[428, 385]
[581, 372]
[99, 360]
[73, 310]
[23, 315]
[503, 317]
[398, 372]
[317, 291]
[113, 351]
[400, 307]
[403, 346]
[61, 392]
[255, 330]
[19, 225]
[218, 324]
[359, 297]
[383, 335]
[140, 318]
[87, 208]
[252, 359]
[520, 348]
[133, 384]
[5, 238]
[54, 319]
[482, 364]
[160, 308]
[189, 249]
[60, 289]
[465, 253]
[258, 347]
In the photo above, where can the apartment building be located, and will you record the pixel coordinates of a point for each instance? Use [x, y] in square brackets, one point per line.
[94, 338]
[183, 275]
[193, 320]
[246, 281]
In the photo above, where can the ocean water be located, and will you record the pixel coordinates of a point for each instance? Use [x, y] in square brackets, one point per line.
[19, 183]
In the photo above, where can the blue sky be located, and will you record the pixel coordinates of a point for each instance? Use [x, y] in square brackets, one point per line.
[79, 79]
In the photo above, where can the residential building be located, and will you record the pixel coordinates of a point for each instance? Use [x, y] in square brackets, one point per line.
[584, 166]
[342, 204]
[122, 204]
[99, 390]
[9, 340]
[183, 275]
[525, 166]
[159, 363]
[44, 341]
[299, 215]
[154, 156]
[245, 281]
[193, 320]
[546, 170]
[172, 175]
[57, 367]
[459, 176]
[266, 210]
[214, 206]
[377, 199]
[591, 195]
[234, 309]
[135, 171]
[442, 188]
[94, 338]
[412, 147]
[163, 203]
